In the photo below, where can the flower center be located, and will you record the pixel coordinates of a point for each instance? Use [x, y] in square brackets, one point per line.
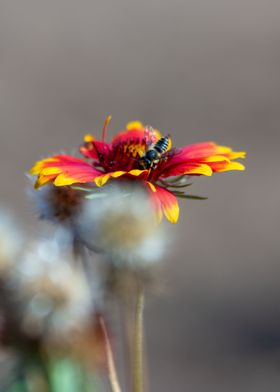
[123, 155]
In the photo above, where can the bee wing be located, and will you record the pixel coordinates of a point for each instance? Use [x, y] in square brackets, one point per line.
[150, 136]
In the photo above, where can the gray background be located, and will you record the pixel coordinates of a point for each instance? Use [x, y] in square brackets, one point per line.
[199, 70]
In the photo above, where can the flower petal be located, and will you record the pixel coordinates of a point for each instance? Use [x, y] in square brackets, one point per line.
[164, 201]
[138, 172]
[88, 138]
[219, 167]
[197, 151]
[227, 151]
[189, 168]
[134, 125]
[63, 170]
[200, 159]
[43, 180]
[93, 149]
[36, 169]
[135, 133]
[102, 179]
[128, 136]
[137, 125]
[202, 151]
[200, 169]
[216, 158]
[152, 186]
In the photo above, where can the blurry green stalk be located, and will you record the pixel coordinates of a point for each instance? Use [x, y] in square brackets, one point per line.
[138, 382]
[63, 375]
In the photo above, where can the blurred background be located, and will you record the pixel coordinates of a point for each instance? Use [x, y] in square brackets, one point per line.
[199, 70]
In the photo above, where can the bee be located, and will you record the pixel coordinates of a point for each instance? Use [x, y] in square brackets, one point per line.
[154, 153]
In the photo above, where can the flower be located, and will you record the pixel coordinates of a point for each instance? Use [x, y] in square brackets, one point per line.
[123, 157]
[123, 224]
[53, 291]
[57, 204]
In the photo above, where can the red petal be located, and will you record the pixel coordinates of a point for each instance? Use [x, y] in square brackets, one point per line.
[135, 135]
[164, 201]
[64, 170]
[94, 149]
[199, 159]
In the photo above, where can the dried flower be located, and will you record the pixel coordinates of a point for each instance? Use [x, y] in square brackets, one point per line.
[124, 225]
[53, 291]
[127, 157]
[57, 204]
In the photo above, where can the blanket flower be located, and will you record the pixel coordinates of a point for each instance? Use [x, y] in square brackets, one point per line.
[163, 172]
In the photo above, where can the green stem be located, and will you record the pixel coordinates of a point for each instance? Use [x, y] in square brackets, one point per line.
[138, 383]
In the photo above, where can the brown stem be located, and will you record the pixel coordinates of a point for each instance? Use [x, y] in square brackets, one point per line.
[112, 372]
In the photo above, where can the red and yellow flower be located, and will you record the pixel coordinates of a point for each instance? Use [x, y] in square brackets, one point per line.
[120, 159]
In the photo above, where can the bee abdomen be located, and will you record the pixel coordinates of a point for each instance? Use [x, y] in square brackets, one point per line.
[162, 145]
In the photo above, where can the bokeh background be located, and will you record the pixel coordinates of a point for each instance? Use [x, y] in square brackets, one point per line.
[200, 70]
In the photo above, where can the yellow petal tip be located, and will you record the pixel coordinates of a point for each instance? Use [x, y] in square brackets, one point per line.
[88, 138]
[134, 125]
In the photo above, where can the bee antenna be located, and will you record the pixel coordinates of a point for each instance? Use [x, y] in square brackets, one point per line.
[108, 119]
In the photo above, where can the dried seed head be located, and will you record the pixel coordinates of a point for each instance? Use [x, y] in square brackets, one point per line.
[53, 291]
[57, 204]
[124, 225]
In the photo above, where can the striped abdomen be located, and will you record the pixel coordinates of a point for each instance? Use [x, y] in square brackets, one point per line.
[161, 145]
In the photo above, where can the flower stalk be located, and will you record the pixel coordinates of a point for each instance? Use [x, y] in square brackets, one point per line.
[112, 372]
[138, 365]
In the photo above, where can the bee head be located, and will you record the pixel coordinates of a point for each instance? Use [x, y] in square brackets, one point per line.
[145, 163]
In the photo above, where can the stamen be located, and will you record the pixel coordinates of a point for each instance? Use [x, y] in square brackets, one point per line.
[108, 119]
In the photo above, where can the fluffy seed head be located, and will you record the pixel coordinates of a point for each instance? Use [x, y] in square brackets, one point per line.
[57, 204]
[54, 292]
[122, 222]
